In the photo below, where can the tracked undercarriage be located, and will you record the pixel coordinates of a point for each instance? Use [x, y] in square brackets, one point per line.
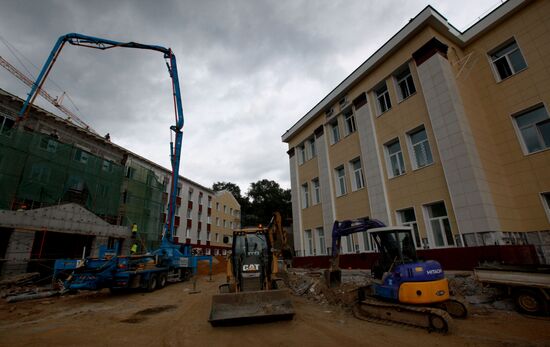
[438, 317]
[432, 319]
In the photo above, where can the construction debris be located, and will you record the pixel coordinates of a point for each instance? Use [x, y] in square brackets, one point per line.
[311, 284]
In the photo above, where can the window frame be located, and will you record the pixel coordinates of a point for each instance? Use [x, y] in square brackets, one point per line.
[500, 47]
[321, 238]
[316, 191]
[334, 125]
[417, 238]
[349, 122]
[518, 130]
[304, 189]
[311, 150]
[308, 237]
[341, 188]
[397, 82]
[385, 95]
[5, 117]
[411, 147]
[546, 203]
[353, 174]
[301, 154]
[431, 234]
[388, 155]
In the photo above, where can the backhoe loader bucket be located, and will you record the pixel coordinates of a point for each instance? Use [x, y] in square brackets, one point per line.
[251, 307]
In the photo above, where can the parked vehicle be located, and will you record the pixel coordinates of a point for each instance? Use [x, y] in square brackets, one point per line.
[529, 285]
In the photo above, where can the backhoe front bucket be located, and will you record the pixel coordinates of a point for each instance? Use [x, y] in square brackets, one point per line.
[251, 307]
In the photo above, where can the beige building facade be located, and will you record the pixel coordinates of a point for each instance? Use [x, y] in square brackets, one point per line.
[445, 131]
[226, 216]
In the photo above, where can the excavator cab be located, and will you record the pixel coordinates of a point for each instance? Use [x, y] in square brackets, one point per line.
[396, 247]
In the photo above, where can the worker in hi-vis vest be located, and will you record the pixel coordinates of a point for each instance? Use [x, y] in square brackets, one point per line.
[134, 230]
[133, 249]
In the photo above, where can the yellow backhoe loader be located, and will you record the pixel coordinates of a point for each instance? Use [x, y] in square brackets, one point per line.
[253, 292]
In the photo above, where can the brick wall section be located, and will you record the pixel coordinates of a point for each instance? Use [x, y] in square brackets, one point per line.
[450, 258]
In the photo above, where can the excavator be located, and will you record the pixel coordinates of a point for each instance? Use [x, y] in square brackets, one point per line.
[404, 290]
[253, 292]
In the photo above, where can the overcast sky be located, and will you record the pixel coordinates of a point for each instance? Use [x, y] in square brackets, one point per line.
[248, 69]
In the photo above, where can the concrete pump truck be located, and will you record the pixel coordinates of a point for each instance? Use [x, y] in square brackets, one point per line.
[166, 263]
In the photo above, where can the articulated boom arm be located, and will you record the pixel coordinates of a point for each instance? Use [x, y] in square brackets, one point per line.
[103, 44]
[348, 227]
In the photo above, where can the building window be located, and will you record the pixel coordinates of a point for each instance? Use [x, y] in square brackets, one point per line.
[190, 194]
[440, 225]
[224, 223]
[335, 132]
[316, 194]
[396, 166]
[534, 127]
[383, 97]
[40, 173]
[367, 242]
[209, 220]
[199, 216]
[357, 180]
[217, 221]
[321, 238]
[305, 195]
[340, 181]
[208, 236]
[507, 61]
[420, 148]
[349, 243]
[198, 235]
[82, 157]
[309, 242]
[225, 209]
[217, 237]
[200, 198]
[405, 83]
[311, 150]
[407, 218]
[6, 124]
[546, 202]
[301, 154]
[350, 122]
[209, 202]
[49, 145]
[107, 166]
[188, 213]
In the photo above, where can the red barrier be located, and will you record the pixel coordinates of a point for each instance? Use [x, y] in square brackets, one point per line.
[462, 258]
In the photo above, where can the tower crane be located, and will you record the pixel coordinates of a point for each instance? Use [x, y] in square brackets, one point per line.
[54, 101]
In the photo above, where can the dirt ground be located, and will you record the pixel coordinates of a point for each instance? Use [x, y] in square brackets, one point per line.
[174, 317]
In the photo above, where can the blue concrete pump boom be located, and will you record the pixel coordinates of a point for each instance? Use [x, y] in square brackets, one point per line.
[103, 44]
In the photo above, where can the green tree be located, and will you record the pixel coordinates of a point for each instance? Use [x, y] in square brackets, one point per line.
[267, 196]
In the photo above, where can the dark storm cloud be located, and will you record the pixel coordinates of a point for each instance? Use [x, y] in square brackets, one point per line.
[248, 69]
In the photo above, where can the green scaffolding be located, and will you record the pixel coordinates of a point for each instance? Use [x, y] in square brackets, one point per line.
[37, 170]
[143, 203]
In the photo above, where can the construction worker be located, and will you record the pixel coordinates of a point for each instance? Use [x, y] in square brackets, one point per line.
[133, 249]
[134, 230]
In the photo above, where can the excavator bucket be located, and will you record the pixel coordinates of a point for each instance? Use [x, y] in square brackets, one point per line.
[251, 307]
